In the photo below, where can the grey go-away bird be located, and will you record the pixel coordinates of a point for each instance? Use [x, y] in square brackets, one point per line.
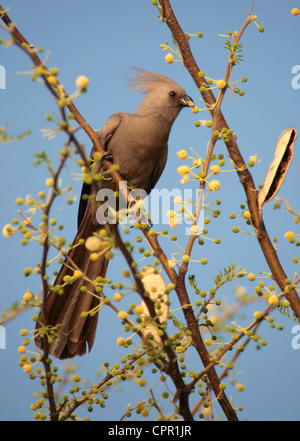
[138, 144]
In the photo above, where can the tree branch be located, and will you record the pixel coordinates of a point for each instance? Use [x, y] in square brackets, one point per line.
[234, 152]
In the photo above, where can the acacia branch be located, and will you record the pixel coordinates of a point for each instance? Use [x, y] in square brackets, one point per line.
[244, 175]
[21, 41]
[170, 367]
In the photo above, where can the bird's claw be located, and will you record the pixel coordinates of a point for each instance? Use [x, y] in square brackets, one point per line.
[107, 157]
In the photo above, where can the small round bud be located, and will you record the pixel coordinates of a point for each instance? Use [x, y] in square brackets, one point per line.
[169, 58]
[93, 243]
[273, 300]
[52, 80]
[257, 315]
[142, 382]
[27, 368]
[207, 342]
[76, 378]
[289, 235]
[139, 309]
[23, 332]
[183, 170]
[182, 154]
[120, 341]
[82, 82]
[171, 213]
[213, 185]
[50, 182]
[19, 201]
[7, 231]
[177, 200]
[215, 169]
[27, 296]
[221, 84]
[246, 214]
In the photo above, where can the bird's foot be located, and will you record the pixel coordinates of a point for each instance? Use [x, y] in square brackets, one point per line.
[107, 157]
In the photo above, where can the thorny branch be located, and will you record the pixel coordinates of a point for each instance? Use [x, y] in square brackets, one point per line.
[244, 175]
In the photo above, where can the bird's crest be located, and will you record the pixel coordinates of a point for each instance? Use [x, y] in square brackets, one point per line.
[147, 81]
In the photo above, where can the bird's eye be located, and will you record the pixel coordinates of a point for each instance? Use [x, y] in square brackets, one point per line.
[172, 94]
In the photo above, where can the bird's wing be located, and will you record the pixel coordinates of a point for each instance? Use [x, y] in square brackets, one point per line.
[158, 169]
[105, 135]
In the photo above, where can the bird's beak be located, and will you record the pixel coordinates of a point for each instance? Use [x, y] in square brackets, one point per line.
[187, 101]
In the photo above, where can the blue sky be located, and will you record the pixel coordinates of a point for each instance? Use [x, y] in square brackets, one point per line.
[103, 40]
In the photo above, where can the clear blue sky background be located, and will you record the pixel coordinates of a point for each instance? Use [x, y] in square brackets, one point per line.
[103, 40]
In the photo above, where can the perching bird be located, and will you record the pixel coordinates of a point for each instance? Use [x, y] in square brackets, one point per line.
[138, 144]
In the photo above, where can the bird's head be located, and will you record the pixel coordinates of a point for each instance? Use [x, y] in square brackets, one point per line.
[165, 98]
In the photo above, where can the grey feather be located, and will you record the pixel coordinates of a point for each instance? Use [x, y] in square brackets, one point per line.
[138, 143]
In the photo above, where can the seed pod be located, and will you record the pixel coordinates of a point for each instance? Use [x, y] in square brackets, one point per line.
[155, 285]
[278, 167]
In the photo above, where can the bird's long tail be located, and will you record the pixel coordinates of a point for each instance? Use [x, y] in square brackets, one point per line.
[73, 303]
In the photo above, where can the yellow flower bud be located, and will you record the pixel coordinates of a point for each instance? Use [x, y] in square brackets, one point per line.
[7, 231]
[171, 213]
[93, 243]
[289, 235]
[122, 314]
[82, 81]
[221, 84]
[215, 169]
[117, 296]
[139, 309]
[94, 256]
[182, 154]
[50, 182]
[195, 230]
[197, 162]
[169, 58]
[120, 341]
[295, 11]
[173, 222]
[27, 368]
[246, 214]
[251, 277]
[213, 185]
[52, 80]
[177, 200]
[273, 300]
[27, 296]
[183, 170]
